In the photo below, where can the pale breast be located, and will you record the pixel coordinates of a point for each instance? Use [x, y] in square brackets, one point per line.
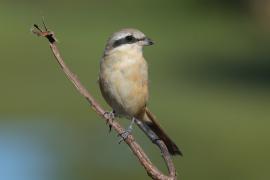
[124, 84]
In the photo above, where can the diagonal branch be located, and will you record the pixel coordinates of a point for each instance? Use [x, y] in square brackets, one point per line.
[150, 168]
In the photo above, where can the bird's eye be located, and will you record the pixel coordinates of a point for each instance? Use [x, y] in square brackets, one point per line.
[129, 38]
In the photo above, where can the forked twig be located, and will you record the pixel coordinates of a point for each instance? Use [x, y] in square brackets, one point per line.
[150, 168]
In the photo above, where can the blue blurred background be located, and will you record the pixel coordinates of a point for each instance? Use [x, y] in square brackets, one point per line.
[210, 82]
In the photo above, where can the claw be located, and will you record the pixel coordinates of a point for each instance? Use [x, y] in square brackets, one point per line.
[108, 116]
[110, 128]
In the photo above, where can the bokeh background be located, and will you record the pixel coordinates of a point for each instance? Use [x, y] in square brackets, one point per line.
[210, 82]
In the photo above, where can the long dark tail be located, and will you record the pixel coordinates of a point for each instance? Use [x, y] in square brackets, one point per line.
[154, 126]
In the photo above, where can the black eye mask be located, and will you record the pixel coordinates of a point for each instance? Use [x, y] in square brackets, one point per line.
[126, 40]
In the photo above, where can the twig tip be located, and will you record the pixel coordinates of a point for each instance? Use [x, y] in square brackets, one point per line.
[44, 33]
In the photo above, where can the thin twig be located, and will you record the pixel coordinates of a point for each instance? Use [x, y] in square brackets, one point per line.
[155, 139]
[150, 168]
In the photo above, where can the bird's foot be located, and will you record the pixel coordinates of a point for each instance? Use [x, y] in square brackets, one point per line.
[127, 132]
[110, 115]
[124, 135]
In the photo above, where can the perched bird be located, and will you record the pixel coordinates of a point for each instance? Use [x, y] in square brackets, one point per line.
[123, 80]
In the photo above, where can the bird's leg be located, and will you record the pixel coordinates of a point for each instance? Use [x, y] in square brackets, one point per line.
[127, 132]
[110, 115]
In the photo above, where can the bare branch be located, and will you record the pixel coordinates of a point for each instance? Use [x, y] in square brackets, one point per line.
[150, 168]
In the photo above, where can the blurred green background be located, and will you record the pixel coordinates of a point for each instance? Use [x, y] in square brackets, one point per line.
[209, 84]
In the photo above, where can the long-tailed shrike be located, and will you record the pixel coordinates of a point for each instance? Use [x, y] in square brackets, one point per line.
[123, 80]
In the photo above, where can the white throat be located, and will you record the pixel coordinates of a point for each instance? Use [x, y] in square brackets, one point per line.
[127, 49]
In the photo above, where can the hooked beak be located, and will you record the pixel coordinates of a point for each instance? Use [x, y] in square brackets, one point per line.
[148, 42]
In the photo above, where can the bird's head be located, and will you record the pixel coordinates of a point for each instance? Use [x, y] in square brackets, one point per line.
[127, 40]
